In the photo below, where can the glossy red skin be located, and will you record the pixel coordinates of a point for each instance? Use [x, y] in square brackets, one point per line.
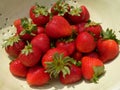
[42, 42]
[14, 51]
[41, 20]
[58, 27]
[86, 13]
[18, 69]
[48, 56]
[85, 42]
[68, 46]
[108, 49]
[84, 16]
[96, 30]
[76, 19]
[87, 66]
[77, 55]
[74, 76]
[32, 58]
[40, 30]
[37, 76]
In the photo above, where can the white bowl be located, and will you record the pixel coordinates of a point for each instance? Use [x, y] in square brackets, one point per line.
[103, 11]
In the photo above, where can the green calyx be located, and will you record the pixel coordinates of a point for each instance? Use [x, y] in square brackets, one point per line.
[98, 71]
[109, 34]
[27, 26]
[75, 11]
[59, 64]
[61, 7]
[10, 41]
[91, 23]
[40, 10]
[27, 49]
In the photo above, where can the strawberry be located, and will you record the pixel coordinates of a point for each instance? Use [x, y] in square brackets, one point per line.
[85, 13]
[75, 28]
[108, 46]
[48, 56]
[58, 27]
[13, 46]
[94, 28]
[81, 27]
[92, 54]
[68, 46]
[30, 55]
[92, 68]
[60, 8]
[75, 75]
[26, 30]
[63, 65]
[85, 42]
[42, 42]
[78, 15]
[40, 30]
[37, 76]
[77, 55]
[17, 68]
[17, 23]
[39, 15]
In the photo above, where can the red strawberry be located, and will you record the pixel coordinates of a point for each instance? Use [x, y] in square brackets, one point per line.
[63, 65]
[42, 42]
[40, 30]
[92, 54]
[14, 45]
[60, 8]
[81, 27]
[74, 75]
[94, 28]
[17, 23]
[92, 68]
[75, 28]
[108, 46]
[48, 56]
[26, 30]
[78, 15]
[85, 42]
[39, 15]
[68, 46]
[77, 55]
[37, 76]
[85, 13]
[58, 27]
[30, 55]
[17, 68]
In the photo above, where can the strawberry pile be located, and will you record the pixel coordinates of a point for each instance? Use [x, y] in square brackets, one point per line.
[61, 43]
